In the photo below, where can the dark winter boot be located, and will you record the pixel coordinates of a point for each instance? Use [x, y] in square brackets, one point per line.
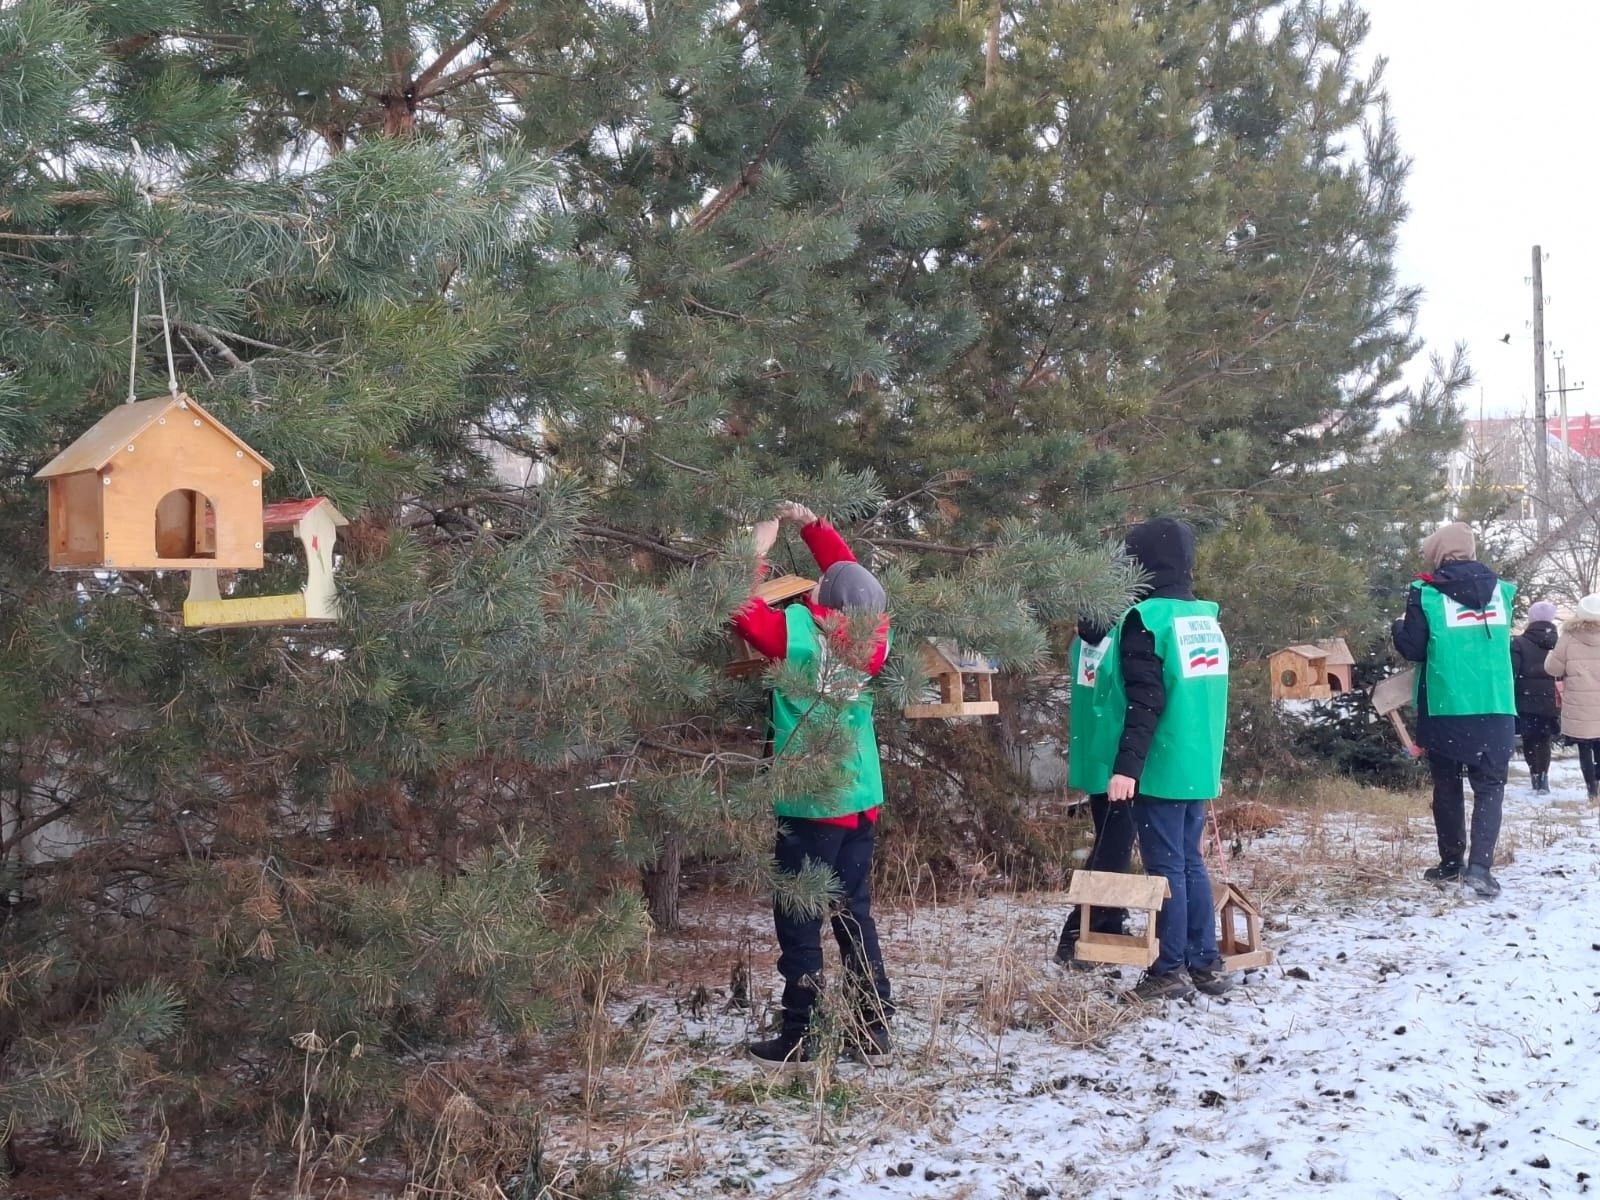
[1174, 985]
[1445, 872]
[1593, 790]
[872, 1041]
[787, 1049]
[1481, 882]
[1213, 981]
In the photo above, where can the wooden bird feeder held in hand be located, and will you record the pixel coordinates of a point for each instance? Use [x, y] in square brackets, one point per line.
[1389, 696]
[779, 592]
[1239, 938]
[1090, 890]
[157, 485]
[316, 524]
[953, 669]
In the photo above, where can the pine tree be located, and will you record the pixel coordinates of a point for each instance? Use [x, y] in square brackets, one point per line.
[557, 300]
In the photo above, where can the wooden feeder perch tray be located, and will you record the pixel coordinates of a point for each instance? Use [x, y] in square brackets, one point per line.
[1300, 673]
[1110, 889]
[1239, 939]
[951, 668]
[779, 592]
[316, 523]
[153, 486]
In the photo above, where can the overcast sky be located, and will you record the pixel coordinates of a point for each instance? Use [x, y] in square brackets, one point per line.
[1495, 104]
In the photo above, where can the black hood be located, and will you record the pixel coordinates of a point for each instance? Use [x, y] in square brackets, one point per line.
[1542, 634]
[1467, 583]
[1164, 550]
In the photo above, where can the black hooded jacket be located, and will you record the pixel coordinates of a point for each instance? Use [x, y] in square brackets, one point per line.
[1536, 690]
[1164, 550]
[1485, 739]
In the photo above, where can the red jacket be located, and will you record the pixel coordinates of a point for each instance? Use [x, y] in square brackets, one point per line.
[767, 632]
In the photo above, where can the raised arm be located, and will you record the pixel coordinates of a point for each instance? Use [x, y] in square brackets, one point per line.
[821, 538]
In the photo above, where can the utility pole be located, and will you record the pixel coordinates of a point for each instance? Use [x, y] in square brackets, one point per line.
[1541, 431]
[1561, 390]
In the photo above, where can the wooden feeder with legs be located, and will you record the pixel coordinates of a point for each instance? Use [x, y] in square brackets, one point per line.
[1341, 665]
[953, 669]
[162, 485]
[779, 592]
[1090, 890]
[1239, 939]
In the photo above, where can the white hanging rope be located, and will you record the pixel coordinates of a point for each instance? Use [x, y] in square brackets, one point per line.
[133, 344]
[141, 173]
[166, 329]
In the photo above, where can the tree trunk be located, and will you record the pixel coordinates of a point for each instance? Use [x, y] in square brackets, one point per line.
[661, 883]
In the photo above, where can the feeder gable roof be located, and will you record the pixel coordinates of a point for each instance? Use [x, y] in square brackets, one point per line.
[100, 443]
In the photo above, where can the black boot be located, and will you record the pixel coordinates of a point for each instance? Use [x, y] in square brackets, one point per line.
[1445, 872]
[872, 1041]
[784, 1050]
[1594, 790]
[1481, 882]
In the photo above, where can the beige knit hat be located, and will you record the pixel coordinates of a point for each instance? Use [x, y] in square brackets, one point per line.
[1447, 543]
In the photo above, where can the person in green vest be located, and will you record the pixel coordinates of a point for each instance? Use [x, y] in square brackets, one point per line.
[1457, 627]
[1161, 718]
[1112, 847]
[835, 828]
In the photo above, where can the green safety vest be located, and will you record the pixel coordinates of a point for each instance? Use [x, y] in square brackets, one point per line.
[861, 778]
[1085, 770]
[1185, 759]
[1468, 668]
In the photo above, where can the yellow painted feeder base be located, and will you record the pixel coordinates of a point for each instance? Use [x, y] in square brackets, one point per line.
[316, 523]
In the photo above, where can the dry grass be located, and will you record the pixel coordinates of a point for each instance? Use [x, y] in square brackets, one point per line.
[660, 1083]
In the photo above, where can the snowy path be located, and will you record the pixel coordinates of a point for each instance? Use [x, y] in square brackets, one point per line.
[1438, 1046]
[1441, 1047]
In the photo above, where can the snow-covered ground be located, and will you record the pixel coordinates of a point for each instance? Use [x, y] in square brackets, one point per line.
[1408, 1043]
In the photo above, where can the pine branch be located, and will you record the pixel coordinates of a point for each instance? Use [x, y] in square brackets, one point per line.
[453, 51]
[591, 529]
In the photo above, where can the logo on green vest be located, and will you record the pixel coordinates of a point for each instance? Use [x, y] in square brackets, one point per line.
[1089, 661]
[1201, 647]
[1459, 616]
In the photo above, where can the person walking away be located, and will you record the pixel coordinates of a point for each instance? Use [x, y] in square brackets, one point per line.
[1112, 847]
[1161, 716]
[1538, 706]
[1576, 661]
[1457, 626]
[835, 829]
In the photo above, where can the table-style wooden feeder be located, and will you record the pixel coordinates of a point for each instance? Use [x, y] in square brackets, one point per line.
[1239, 939]
[315, 523]
[953, 669]
[1090, 890]
[157, 485]
[778, 592]
[162, 485]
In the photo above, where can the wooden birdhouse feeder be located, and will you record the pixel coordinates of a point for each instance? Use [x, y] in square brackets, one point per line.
[1109, 889]
[1341, 665]
[965, 681]
[1239, 938]
[316, 524]
[157, 485]
[1300, 673]
[779, 592]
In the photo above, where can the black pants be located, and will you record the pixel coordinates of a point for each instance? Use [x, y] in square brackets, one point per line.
[847, 852]
[1488, 780]
[1587, 750]
[1112, 850]
[1536, 752]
